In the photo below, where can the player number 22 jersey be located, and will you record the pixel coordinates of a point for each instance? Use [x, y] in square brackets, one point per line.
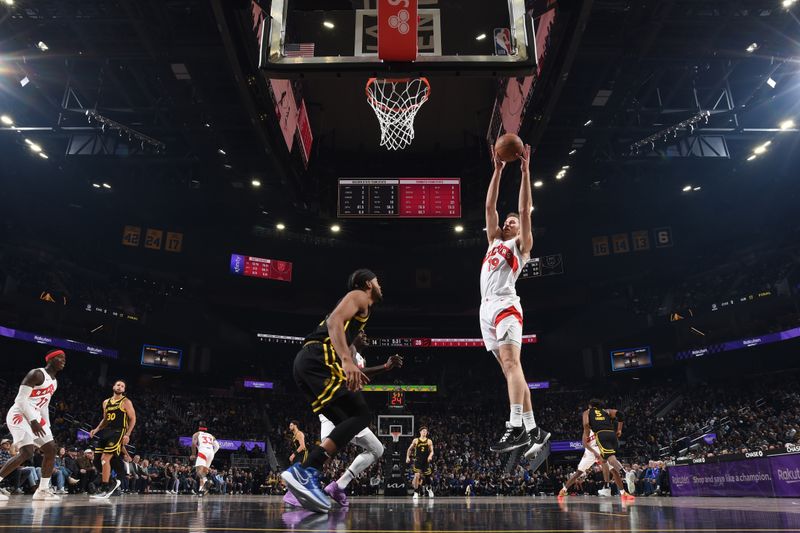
[500, 269]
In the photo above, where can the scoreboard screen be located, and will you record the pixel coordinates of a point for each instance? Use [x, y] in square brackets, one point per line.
[258, 267]
[631, 358]
[400, 197]
[161, 356]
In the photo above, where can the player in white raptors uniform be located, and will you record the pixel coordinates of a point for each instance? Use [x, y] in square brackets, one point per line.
[204, 446]
[501, 312]
[366, 439]
[28, 421]
[591, 457]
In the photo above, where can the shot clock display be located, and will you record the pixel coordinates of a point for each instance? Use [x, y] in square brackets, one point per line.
[397, 399]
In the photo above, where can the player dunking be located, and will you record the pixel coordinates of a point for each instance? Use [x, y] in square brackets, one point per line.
[113, 432]
[29, 422]
[501, 312]
[591, 456]
[204, 447]
[333, 388]
[422, 447]
[601, 422]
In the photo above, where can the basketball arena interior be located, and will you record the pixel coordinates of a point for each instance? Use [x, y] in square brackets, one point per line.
[400, 265]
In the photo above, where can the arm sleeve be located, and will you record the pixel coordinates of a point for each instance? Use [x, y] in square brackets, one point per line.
[21, 401]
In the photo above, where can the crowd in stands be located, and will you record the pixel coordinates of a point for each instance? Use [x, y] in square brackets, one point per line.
[666, 423]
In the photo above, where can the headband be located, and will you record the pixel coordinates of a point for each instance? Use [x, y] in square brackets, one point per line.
[54, 353]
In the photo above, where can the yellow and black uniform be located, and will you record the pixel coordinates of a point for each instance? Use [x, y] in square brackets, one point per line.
[317, 370]
[299, 457]
[110, 437]
[603, 426]
[421, 453]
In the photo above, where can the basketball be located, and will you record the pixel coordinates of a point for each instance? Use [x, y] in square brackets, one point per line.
[509, 147]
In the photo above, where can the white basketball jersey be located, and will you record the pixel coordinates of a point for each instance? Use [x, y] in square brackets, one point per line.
[41, 395]
[500, 269]
[206, 440]
[360, 361]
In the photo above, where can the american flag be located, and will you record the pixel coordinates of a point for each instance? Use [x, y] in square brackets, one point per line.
[299, 50]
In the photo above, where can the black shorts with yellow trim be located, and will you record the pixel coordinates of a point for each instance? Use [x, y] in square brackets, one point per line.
[422, 467]
[319, 375]
[607, 443]
[109, 441]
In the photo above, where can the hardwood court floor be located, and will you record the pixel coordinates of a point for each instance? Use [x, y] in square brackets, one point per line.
[378, 515]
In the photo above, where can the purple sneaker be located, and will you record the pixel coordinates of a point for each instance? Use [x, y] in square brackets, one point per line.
[289, 499]
[338, 495]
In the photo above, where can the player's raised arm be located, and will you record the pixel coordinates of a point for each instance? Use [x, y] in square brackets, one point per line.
[525, 203]
[492, 218]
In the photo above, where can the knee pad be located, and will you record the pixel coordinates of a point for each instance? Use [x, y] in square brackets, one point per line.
[371, 444]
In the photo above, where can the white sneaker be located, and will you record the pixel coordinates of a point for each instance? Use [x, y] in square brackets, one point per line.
[3, 498]
[46, 495]
[430, 493]
[415, 497]
[604, 492]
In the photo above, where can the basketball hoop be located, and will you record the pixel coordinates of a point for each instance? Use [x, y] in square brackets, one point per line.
[395, 435]
[396, 102]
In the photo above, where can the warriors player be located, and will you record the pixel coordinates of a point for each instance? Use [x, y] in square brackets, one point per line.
[501, 312]
[114, 433]
[333, 389]
[591, 456]
[29, 422]
[204, 446]
[423, 455]
[300, 452]
[366, 439]
[601, 422]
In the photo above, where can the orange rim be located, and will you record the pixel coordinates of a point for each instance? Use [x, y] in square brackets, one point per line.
[371, 99]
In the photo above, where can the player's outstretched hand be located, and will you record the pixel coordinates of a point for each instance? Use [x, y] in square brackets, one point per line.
[525, 160]
[356, 379]
[37, 428]
[499, 164]
[394, 361]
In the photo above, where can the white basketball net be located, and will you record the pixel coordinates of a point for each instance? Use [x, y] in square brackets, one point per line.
[396, 103]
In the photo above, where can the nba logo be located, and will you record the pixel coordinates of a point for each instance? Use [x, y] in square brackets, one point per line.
[502, 41]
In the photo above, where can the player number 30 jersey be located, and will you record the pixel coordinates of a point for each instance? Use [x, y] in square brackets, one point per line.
[500, 269]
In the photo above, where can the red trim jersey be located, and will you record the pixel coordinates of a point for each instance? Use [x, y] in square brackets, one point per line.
[500, 270]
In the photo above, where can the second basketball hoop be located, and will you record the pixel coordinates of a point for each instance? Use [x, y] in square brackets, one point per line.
[396, 103]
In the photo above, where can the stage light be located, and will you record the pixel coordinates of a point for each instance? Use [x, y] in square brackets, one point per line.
[538, 183]
[328, 24]
[221, 151]
[565, 167]
[459, 228]
[106, 186]
[43, 47]
[752, 157]
[335, 228]
[687, 188]
[8, 121]
[572, 152]
[35, 147]
[786, 3]
[561, 174]
[697, 188]
[480, 37]
[758, 150]
[96, 185]
[255, 183]
[772, 83]
[752, 48]
[787, 124]
[11, 2]
[588, 122]
[280, 226]
[43, 155]
[24, 81]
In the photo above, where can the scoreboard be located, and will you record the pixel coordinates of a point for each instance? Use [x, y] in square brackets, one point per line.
[258, 267]
[400, 197]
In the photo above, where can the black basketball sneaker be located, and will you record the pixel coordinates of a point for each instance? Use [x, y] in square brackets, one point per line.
[511, 439]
